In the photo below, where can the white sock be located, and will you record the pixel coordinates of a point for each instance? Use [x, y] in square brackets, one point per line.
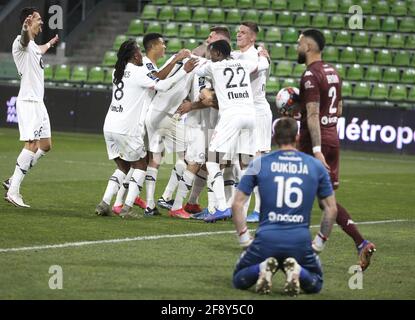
[198, 185]
[185, 185]
[257, 200]
[151, 179]
[211, 196]
[218, 186]
[119, 201]
[229, 181]
[39, 154]
[23, 165]
[136, 185]
[176, 175]
[114, 184]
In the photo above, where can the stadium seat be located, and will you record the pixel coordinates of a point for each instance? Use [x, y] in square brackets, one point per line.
[407, 24]
[171, 29]
[372, 23]
[62, 73]
[398, 93]
[284, 69]
[188, 30]
[389, 24]
[355, 72]
[361, 39]
[160, 2]
[191, 44]
[373, 73]
[330, 5]
[48, 72]
[402, 58]
[212, 3]
[154, 27]
[233, 16]
[183, 14]
[136, 27]
[341, 70]
[166, 13]
[411, 8]
[384, 57]
[200, 14]
[336, 22]
[285, 18]
[343, 38]
[391, 75]
[290, 35]
[320, 20]
[381, 8]
[361, 90]
[346, 89]
[295, 5]
[413, 61]
[79, 74]
[245, 4]
[261, 34]
[366, 6]
[378, 40]
[366, 56]
[312, 5]
[118, 42]
[396, 40]
[251, 15]
[229, 4]
[411, 95]
[203, 31]
[298, 70]
[149, 12]
[380, 92]
[273, 86]
[174, 45]
[273, 34]
[277, 51]
[96, 75]
[408, 76]
[217, 15]
[292, 52]
[348, 55]
[110, 59]
[331, 54]
[268, 18]
[399, 8]
[279, 5]
[288, 82]
[329, 36]
[344, 6]
[178, 2]
[261, 4]
[301, 20]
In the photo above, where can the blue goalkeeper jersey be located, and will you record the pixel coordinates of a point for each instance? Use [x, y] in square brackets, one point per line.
[288, 182]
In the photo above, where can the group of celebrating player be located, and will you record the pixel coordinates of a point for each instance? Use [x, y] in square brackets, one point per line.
[209, 107]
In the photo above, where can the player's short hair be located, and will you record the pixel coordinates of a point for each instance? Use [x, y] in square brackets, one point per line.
[251, 25]
[27, 12]
[285, 131]
[222, 46]
[149, 39]
[222, 30]
[317, 36]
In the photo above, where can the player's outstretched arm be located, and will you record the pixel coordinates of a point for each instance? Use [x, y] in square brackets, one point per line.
[239, 219]
[25, 37]
[181, 55]
[166, 84]
[329, 217]
[44, 48]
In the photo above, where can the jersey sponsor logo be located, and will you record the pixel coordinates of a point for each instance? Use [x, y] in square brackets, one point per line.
[238, 95]
[116, 109]
[308, 74]
[277, 217]
[333, 78]
[150, 66]
[308, 85]
[151, 76]
[329, 120]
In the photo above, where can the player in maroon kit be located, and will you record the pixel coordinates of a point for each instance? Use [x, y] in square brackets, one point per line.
[321, 106]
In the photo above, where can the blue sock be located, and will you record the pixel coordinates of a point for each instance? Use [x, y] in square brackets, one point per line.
[310, 282]
[246, 278]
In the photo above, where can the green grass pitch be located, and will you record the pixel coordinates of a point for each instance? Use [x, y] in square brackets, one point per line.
[67, 184]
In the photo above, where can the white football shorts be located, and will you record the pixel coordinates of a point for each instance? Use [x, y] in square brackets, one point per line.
[126, 147]
[263, 132]
[33, 118]
[196, 144]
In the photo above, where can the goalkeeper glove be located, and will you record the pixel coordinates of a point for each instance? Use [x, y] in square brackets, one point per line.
[245, 238]
[319, 243]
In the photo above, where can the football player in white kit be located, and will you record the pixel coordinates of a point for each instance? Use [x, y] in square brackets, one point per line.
[233, 138]
[123, 129]
[155, 49]
[246, 38]
[33, 118]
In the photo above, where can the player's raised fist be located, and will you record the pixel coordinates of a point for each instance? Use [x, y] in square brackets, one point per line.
[182, 54]
[28, 22]
[54, 41]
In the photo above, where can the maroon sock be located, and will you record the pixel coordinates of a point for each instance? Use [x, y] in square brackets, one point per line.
[342, 220]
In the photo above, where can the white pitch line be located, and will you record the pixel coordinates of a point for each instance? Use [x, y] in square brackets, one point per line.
[159, 237]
